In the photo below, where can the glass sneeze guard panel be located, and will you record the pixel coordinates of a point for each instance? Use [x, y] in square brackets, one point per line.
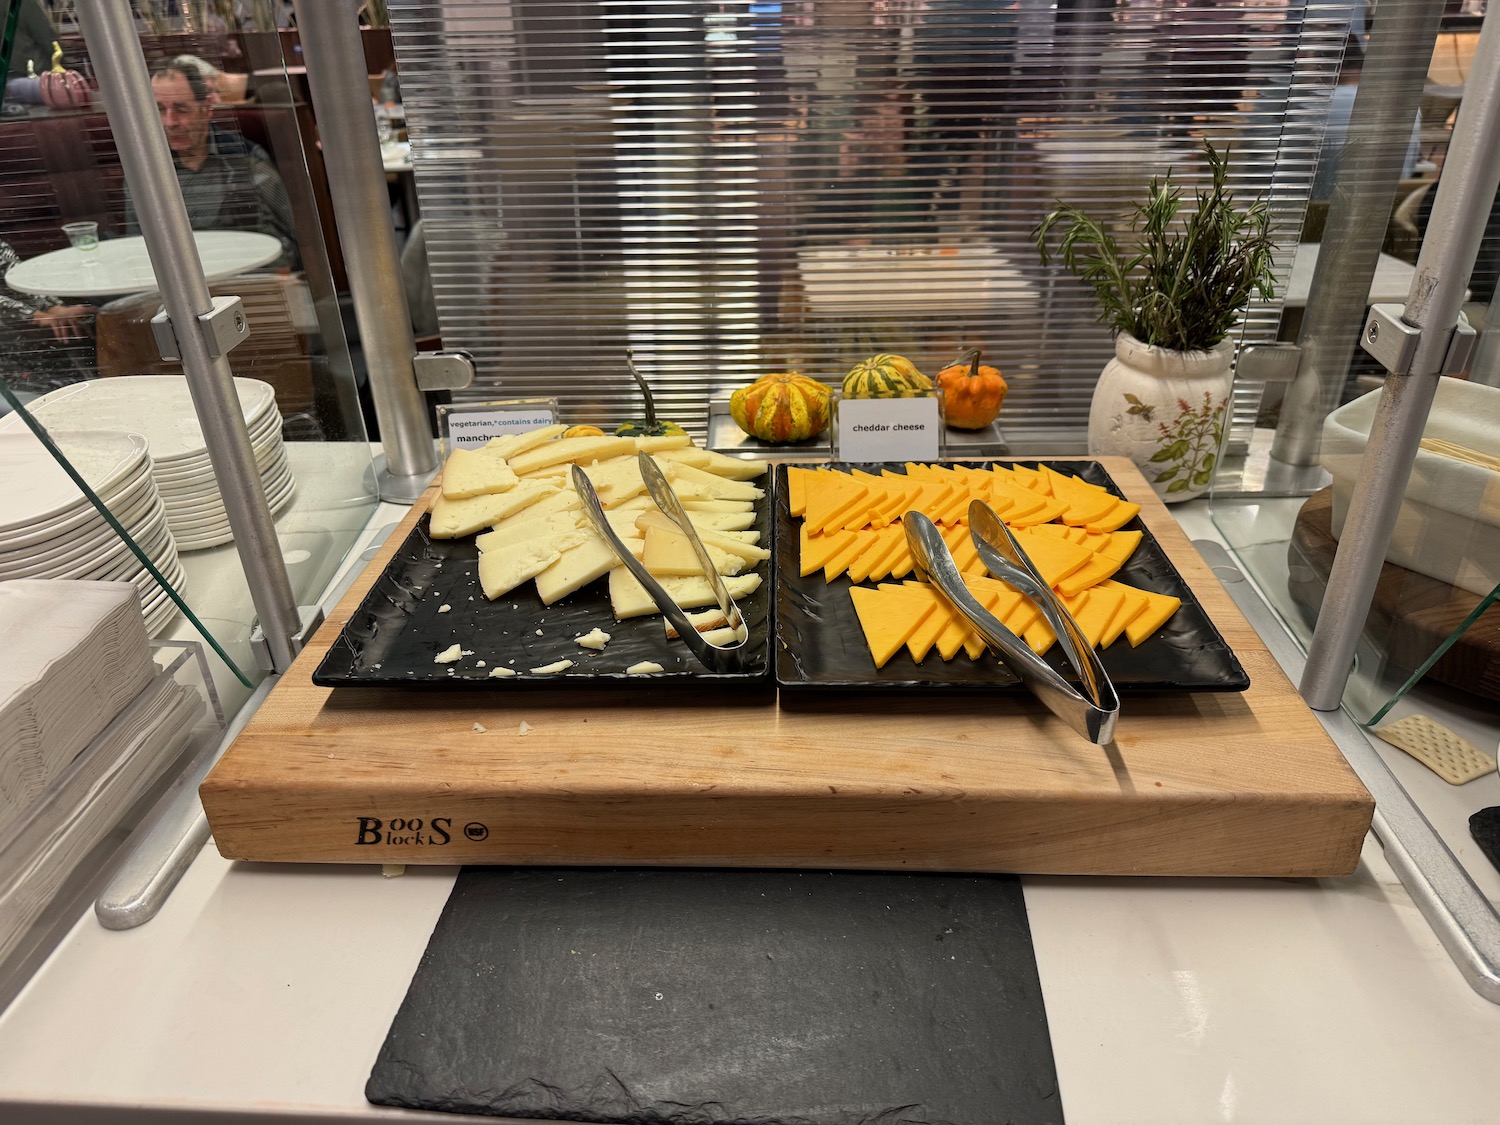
[81, 354]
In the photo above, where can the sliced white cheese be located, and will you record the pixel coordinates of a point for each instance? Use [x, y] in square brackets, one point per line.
[644, 668]
[504, 568]
[658, 442]
[750, 552]
[452, 519]
[628, 598]
[518, 530]
[722, 487]
[577, 567]
[722, 521]
[501, 673]
[553, 668]
[545, 505]
[475, 472]
[580, 450]
[449, 655]
[735, 468]
[616, 480]
[511, 444]
[716, 505]
[668, 552]
[688, 455]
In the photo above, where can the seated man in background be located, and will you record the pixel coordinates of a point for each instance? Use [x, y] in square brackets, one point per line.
[228, 183]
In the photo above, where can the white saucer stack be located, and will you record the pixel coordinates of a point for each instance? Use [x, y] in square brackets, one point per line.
[161, 408]
[49, 529]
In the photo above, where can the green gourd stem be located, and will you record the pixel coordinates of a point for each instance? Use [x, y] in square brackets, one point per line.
[109, 517]
[645, 390]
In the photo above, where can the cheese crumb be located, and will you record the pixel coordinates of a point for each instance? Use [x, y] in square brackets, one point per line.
[480, 727]
[444, 608]
[555, 666]
[595, 640]
[644, 668]
[449, 655]
[525, 727]
[392, 870]
[539, 632]
[502, 671]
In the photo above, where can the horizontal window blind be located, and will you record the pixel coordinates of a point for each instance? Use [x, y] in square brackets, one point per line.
[734, 189]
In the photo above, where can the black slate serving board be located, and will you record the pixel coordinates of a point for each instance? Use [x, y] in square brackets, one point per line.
[710, 997]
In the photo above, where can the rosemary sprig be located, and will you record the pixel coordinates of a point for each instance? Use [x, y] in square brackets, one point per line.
[1188, 278]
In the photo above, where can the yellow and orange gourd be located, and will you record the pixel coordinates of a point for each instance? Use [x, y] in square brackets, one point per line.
[783, 407]
[1071, 529]
[972, 393]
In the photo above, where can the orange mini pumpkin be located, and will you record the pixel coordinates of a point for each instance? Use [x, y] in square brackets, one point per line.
[783, 407]
[971, 394]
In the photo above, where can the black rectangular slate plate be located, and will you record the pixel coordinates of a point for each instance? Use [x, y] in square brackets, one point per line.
[709, 997]
[392, 638]
[819, 643]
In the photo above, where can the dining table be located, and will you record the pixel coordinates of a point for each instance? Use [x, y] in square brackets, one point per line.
[122, 266]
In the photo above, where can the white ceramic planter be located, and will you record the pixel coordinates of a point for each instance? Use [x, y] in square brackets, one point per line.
[1166, 411]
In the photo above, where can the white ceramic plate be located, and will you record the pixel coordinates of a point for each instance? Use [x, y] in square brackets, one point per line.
[102, 458]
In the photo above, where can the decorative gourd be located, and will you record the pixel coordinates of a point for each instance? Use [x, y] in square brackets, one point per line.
[971, 394]
[62, 88]
[783, 407]
[885, 376]
[650, 427]
[583, 431]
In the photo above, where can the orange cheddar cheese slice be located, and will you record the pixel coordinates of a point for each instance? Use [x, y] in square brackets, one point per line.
[1133, 605]
[839, 561]
[887, 621]
[1159, 609]
[796, 489]
[1091, 573]
[879, 546]
[1117, 517]
[1054, 558]
[830, 499]
[816, 550]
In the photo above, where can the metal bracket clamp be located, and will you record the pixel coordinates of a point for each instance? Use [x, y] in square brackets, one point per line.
[222, 327]
[1270, 363]
[1391, 340]
[443, 371]
[311, 617]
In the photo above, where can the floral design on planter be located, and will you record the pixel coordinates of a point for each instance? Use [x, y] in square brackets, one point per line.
[1189, 444]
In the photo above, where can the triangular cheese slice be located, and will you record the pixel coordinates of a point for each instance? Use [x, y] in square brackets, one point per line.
[887, 621]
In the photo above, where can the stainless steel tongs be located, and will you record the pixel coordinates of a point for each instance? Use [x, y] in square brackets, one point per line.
[716, 658]
[1091, 712]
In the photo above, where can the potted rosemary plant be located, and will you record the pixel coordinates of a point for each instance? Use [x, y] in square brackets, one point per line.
[1171, 296]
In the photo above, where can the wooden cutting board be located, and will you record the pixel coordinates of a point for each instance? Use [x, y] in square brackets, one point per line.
[1194, 784]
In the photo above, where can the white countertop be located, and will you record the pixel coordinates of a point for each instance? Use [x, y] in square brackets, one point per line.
[270, 988]
[122, 265]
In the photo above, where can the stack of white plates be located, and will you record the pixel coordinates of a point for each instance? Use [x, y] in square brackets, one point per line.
[161, 408]
[48, 528]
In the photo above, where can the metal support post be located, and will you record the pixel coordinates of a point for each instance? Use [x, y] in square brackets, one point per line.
[1426, 339]
[1369, 169]
[201, 330]
[335, 59]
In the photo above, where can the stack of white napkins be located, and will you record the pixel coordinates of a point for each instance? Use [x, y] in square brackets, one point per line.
[75, 655]
[87, 723]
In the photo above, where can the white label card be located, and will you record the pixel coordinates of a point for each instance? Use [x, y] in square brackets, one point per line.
[889, 429]
[468, 427]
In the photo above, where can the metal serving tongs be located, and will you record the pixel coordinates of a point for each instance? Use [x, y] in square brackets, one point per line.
[716, 658]
[1092, 712]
